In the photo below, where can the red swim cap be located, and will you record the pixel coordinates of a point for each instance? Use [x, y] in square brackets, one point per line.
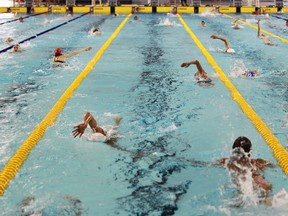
[58, 51]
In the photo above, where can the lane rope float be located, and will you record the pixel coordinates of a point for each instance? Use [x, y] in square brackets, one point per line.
[277, 148]
[16, 161]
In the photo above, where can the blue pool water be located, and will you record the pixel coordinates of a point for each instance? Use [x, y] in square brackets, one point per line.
[168, 119]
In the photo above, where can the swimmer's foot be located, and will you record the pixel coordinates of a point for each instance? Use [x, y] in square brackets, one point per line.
[117, 120]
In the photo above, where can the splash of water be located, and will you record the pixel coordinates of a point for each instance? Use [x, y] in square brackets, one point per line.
[238, 68]
[167, 22]
[209, 13]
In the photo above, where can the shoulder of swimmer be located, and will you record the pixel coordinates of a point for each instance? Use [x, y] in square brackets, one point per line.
[59, 59]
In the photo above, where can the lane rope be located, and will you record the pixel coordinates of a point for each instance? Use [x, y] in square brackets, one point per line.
[277, 148]
[16, 161]
[25, 17]
[256, 27]
[43, 32]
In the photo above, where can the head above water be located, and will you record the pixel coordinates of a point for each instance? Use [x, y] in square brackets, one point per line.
[16, 47]
[57, 52]
[244, 143]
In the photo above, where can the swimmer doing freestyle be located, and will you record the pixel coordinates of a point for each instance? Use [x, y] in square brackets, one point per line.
[201, 74]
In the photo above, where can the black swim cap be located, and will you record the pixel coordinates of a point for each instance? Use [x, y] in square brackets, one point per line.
[242, 142]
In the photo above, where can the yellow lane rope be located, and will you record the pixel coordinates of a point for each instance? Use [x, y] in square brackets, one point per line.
[277, 148]
[256, 27]
[16, 161]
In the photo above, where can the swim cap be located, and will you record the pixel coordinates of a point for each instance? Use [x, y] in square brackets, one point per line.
[230, 50]
[58, 51]
[242, 142]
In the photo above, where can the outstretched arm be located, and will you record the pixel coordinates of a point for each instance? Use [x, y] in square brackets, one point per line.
[259, 35]
[222, 39]
[196, 62]
[77, 52]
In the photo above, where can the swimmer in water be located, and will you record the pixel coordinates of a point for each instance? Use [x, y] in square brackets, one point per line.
[228, 49]
[9, 40]
[251, 73]
[89, 119]
[286, 23]
[16, 48]
[59, 57]
[21, 19]
[262, 36]
[242, 168]
[235, 25]
[201, 74]
[240, 163]
[203, 24]
[96, 32]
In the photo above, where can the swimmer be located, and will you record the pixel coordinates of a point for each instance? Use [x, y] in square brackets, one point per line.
[59, 57]
[203, 24]
[240, 163]
[172, 12]
[235, 25]
[251, 73]
[9, 40]
[262, 36]
[21, 19]
[89, 119]
[201, 74]
[96, 31]
[16, 48]
[240, 166]
[136, 19]
[228, 49]
[287, 23]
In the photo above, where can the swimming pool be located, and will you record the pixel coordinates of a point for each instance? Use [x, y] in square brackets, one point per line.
[168, 119]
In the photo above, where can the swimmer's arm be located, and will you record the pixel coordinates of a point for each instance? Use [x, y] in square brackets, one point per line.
[261, 164]
[219, 163]
[222, 39]
[258, 30]
[80, 128]
[77, 52]
[196, 62]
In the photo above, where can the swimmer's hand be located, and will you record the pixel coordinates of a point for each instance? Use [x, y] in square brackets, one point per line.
[79, 130]
[185, 64]
[88, 48]
[213, 37]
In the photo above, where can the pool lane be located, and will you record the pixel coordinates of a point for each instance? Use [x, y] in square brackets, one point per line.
[16, 161]
[278, 150]
[255, 27]
[43, 32]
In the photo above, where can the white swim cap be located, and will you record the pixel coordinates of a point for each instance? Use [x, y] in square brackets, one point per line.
[230, 50]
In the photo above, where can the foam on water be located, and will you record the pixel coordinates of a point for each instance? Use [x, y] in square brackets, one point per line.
[167, 22]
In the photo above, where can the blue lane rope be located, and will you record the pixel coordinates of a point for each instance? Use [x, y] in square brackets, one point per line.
[43, 32]
[278, 17]
[22, 17]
